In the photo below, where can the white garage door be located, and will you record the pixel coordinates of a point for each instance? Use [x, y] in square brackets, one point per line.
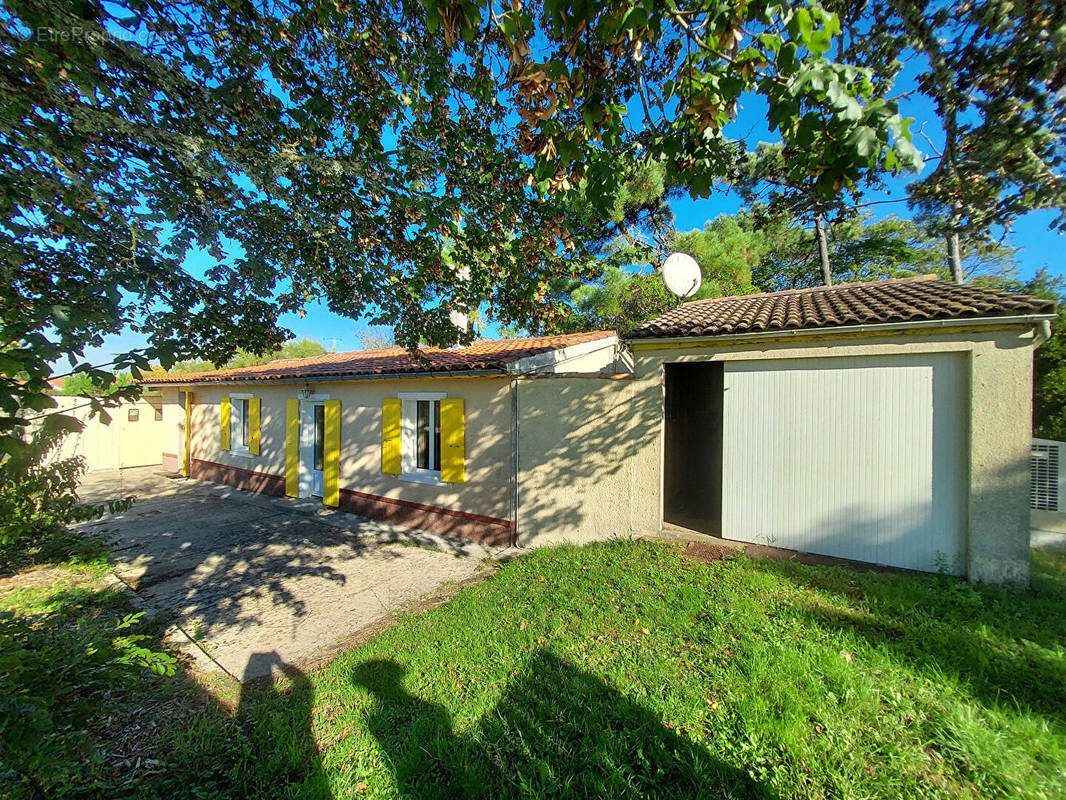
[861, 458]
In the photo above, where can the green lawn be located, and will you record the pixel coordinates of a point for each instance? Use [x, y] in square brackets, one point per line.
[624, 670]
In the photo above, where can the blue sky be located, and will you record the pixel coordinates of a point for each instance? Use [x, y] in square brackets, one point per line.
[1038, 247]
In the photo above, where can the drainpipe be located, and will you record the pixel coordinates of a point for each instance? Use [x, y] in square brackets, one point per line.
[514, 460]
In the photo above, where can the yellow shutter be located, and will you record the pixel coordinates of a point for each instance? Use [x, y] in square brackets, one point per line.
[391, 414]
[253, 426]
[187, 460]
[224, 431]
[452, 441]
[331, 462]
[292, 447]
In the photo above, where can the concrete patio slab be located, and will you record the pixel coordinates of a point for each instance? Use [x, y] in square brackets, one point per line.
[241, 573]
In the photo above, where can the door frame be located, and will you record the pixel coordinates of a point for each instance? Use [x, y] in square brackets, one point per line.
[307, 440]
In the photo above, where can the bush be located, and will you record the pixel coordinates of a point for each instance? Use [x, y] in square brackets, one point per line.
[39, 492]
[57, 662]
[55, 666]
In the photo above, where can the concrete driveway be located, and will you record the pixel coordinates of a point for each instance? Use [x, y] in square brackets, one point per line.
[241, 573]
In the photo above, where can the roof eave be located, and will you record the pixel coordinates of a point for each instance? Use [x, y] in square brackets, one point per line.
[644, 342]
[454, 373]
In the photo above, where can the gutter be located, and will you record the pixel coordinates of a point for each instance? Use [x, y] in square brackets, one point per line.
[377, 376]
[1041, 321]
[553, 358]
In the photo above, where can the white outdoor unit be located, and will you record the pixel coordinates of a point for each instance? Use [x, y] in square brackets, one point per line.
[1046, 489]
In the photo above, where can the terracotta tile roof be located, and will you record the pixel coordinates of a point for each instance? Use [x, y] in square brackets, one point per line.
[899, 300]
[487, 354]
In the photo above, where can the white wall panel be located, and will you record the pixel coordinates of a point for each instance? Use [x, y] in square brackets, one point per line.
[861, 458]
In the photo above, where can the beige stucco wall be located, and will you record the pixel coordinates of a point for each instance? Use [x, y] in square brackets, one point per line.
[575, 459]
[488, 436]
[999, 424]
[116, 444]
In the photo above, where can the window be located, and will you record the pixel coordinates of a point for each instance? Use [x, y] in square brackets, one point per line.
[420, 449]
[133, 415]
[320, 437]
[427, 435]
[238, 421]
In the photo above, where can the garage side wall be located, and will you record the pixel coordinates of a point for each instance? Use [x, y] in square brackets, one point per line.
[1001, 424]
[576, 444]
[997, 367]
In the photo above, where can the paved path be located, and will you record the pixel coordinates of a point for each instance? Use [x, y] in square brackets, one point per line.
[243, 573]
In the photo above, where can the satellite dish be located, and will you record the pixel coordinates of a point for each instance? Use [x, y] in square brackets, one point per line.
[682, 275]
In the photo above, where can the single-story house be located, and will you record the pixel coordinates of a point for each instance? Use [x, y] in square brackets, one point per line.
[430, 442]
[886, 422]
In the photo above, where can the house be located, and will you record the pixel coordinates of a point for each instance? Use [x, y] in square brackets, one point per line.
[885, 422]
[431, 442]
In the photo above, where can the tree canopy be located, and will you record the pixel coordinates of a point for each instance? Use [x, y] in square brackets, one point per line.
[399, 160]
[302, 348]
[757, 251]
[334, 151]
[993, 70]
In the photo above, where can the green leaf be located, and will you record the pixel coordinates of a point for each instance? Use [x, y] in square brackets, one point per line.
[864, 141]
[786, 58]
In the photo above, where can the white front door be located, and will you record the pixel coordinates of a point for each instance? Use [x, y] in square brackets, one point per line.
[312, 447]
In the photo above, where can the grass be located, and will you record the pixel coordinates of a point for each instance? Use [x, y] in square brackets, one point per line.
[623, 670]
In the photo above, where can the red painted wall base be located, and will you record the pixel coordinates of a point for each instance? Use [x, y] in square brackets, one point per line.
[445, 521]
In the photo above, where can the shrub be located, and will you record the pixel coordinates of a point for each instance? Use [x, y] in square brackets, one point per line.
[39, 492]
[55, 666]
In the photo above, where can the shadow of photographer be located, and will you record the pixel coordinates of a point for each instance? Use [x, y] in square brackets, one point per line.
[556, 731]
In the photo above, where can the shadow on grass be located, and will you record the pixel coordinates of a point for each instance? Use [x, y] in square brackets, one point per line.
[276, 723]
[61, 546]
[82, 716]
[999, 646]
[557, 731]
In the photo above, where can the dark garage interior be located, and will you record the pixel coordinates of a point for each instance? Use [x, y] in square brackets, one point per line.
[692, 458]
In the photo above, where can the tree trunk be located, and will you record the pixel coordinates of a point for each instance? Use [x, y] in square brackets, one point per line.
[954, 251]
[823, 249]
[954, 259]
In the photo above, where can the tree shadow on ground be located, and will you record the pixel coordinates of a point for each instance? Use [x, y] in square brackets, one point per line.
[999, 646]
[79, 720]
[557, 731]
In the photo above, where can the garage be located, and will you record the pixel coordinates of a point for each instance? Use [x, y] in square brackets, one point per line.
[855, 458]
[858, 458]
[886, 422]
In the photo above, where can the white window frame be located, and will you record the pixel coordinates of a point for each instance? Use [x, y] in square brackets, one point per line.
[236, 424]
[409, 439]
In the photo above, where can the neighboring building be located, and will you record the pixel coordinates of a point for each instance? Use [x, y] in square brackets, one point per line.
[886, 422]
[131, 435]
